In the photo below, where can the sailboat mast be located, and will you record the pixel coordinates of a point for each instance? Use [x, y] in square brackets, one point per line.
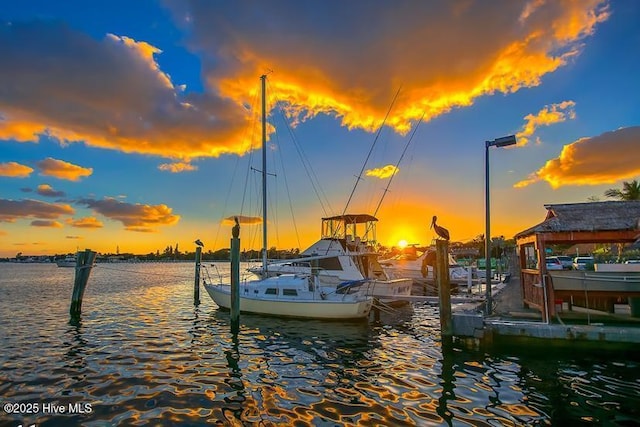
[264, 174]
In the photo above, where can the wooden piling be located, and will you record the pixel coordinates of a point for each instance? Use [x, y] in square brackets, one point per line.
[444, 287]
[235, 278]
[84, 263]
[196, 284]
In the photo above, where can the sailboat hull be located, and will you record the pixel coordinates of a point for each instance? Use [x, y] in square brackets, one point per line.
[299, 308]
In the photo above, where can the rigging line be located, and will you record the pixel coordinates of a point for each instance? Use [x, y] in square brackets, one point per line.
[315, 182]
[251, 149]
[233, 177]
[364, 165]
[415, 129]
[286, 185]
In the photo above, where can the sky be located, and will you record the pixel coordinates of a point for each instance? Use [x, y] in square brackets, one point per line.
[131, 126]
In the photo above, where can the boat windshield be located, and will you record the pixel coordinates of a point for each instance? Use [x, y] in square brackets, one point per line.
[358, 228]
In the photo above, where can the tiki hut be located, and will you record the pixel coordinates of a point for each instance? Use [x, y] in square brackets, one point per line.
[596, 222]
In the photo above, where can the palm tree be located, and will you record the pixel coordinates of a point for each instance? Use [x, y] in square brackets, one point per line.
[630, 191]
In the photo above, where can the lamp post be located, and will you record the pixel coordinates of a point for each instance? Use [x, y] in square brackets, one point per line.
[498, 142]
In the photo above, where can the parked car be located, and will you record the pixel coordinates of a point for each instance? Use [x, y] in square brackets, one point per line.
[632, 261]
[553, 263]
[567, 261]
[581, 262]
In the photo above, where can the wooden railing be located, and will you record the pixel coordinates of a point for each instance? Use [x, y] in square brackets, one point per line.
[532, 292]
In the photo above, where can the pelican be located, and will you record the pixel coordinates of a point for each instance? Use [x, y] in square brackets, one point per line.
[199, 243]
[440, 231]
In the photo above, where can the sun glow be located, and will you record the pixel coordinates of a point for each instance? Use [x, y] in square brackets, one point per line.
[402, 244]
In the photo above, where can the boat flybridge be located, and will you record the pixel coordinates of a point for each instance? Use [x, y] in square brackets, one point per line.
[345, 252]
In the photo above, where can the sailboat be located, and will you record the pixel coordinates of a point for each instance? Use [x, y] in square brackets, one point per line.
[292, 295]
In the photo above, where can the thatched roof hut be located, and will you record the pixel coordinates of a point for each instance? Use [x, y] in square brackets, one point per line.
[611, 222]
[571, 223]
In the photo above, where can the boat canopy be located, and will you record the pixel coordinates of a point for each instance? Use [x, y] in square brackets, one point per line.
[346, 227]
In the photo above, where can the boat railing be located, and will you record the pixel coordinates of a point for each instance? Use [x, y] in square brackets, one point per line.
[208, 278]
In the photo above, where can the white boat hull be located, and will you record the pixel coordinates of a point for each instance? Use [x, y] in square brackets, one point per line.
[300, 308]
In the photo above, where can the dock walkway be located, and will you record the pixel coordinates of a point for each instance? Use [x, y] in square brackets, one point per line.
[511, 320]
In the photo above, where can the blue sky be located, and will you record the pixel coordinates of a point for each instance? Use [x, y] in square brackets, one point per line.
[132, 125]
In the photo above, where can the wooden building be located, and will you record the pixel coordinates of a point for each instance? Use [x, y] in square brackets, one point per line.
[596, 222]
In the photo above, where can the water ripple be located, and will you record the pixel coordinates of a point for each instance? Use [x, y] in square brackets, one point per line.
[143, 355]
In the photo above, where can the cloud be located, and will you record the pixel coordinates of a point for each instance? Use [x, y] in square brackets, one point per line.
[135, 217]
[46, 223]
[249, 220]
[383, 172]
[86, 222]
[350, 64]
[10, 210]
[549, 115]
[603, 159]
[48, 191]
[177, 167]
[73, 237]
[62, 170]
[111, 92]
[15, 170]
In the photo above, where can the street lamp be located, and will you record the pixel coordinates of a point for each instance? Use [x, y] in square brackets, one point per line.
[498, 142]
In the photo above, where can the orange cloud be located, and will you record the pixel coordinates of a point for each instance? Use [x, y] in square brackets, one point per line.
[135, 217]
[46, 223]
[383, 172]
[549, 115]
[177, 167]
[10, 210]
[249, 220]
[63, 170]
[86, 222]
[603, 159]
[15, 170]
[48, 191]
[443, 54]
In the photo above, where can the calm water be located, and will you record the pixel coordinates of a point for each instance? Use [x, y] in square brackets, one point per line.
[143, 355]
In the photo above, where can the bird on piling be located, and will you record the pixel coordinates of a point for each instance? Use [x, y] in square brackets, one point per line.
[440, 231]
[199, 243]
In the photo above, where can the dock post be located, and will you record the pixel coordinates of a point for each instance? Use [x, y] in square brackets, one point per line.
[196, 283]
[84, 263]
[444, 287]
[235, 278]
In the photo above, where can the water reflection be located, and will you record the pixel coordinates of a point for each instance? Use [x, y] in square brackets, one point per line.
[142, 354]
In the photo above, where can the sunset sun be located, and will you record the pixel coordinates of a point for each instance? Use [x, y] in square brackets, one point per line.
[402, 244]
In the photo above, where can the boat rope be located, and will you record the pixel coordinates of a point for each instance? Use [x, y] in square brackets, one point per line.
[375, 140]
[379, 305]
[286, 185]
[404, 151]
[235, 170]
[315, 182]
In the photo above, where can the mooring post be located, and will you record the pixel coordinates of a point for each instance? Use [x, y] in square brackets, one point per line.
[84, 263]
[196, 283]
[444, 287]
[235, 278]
